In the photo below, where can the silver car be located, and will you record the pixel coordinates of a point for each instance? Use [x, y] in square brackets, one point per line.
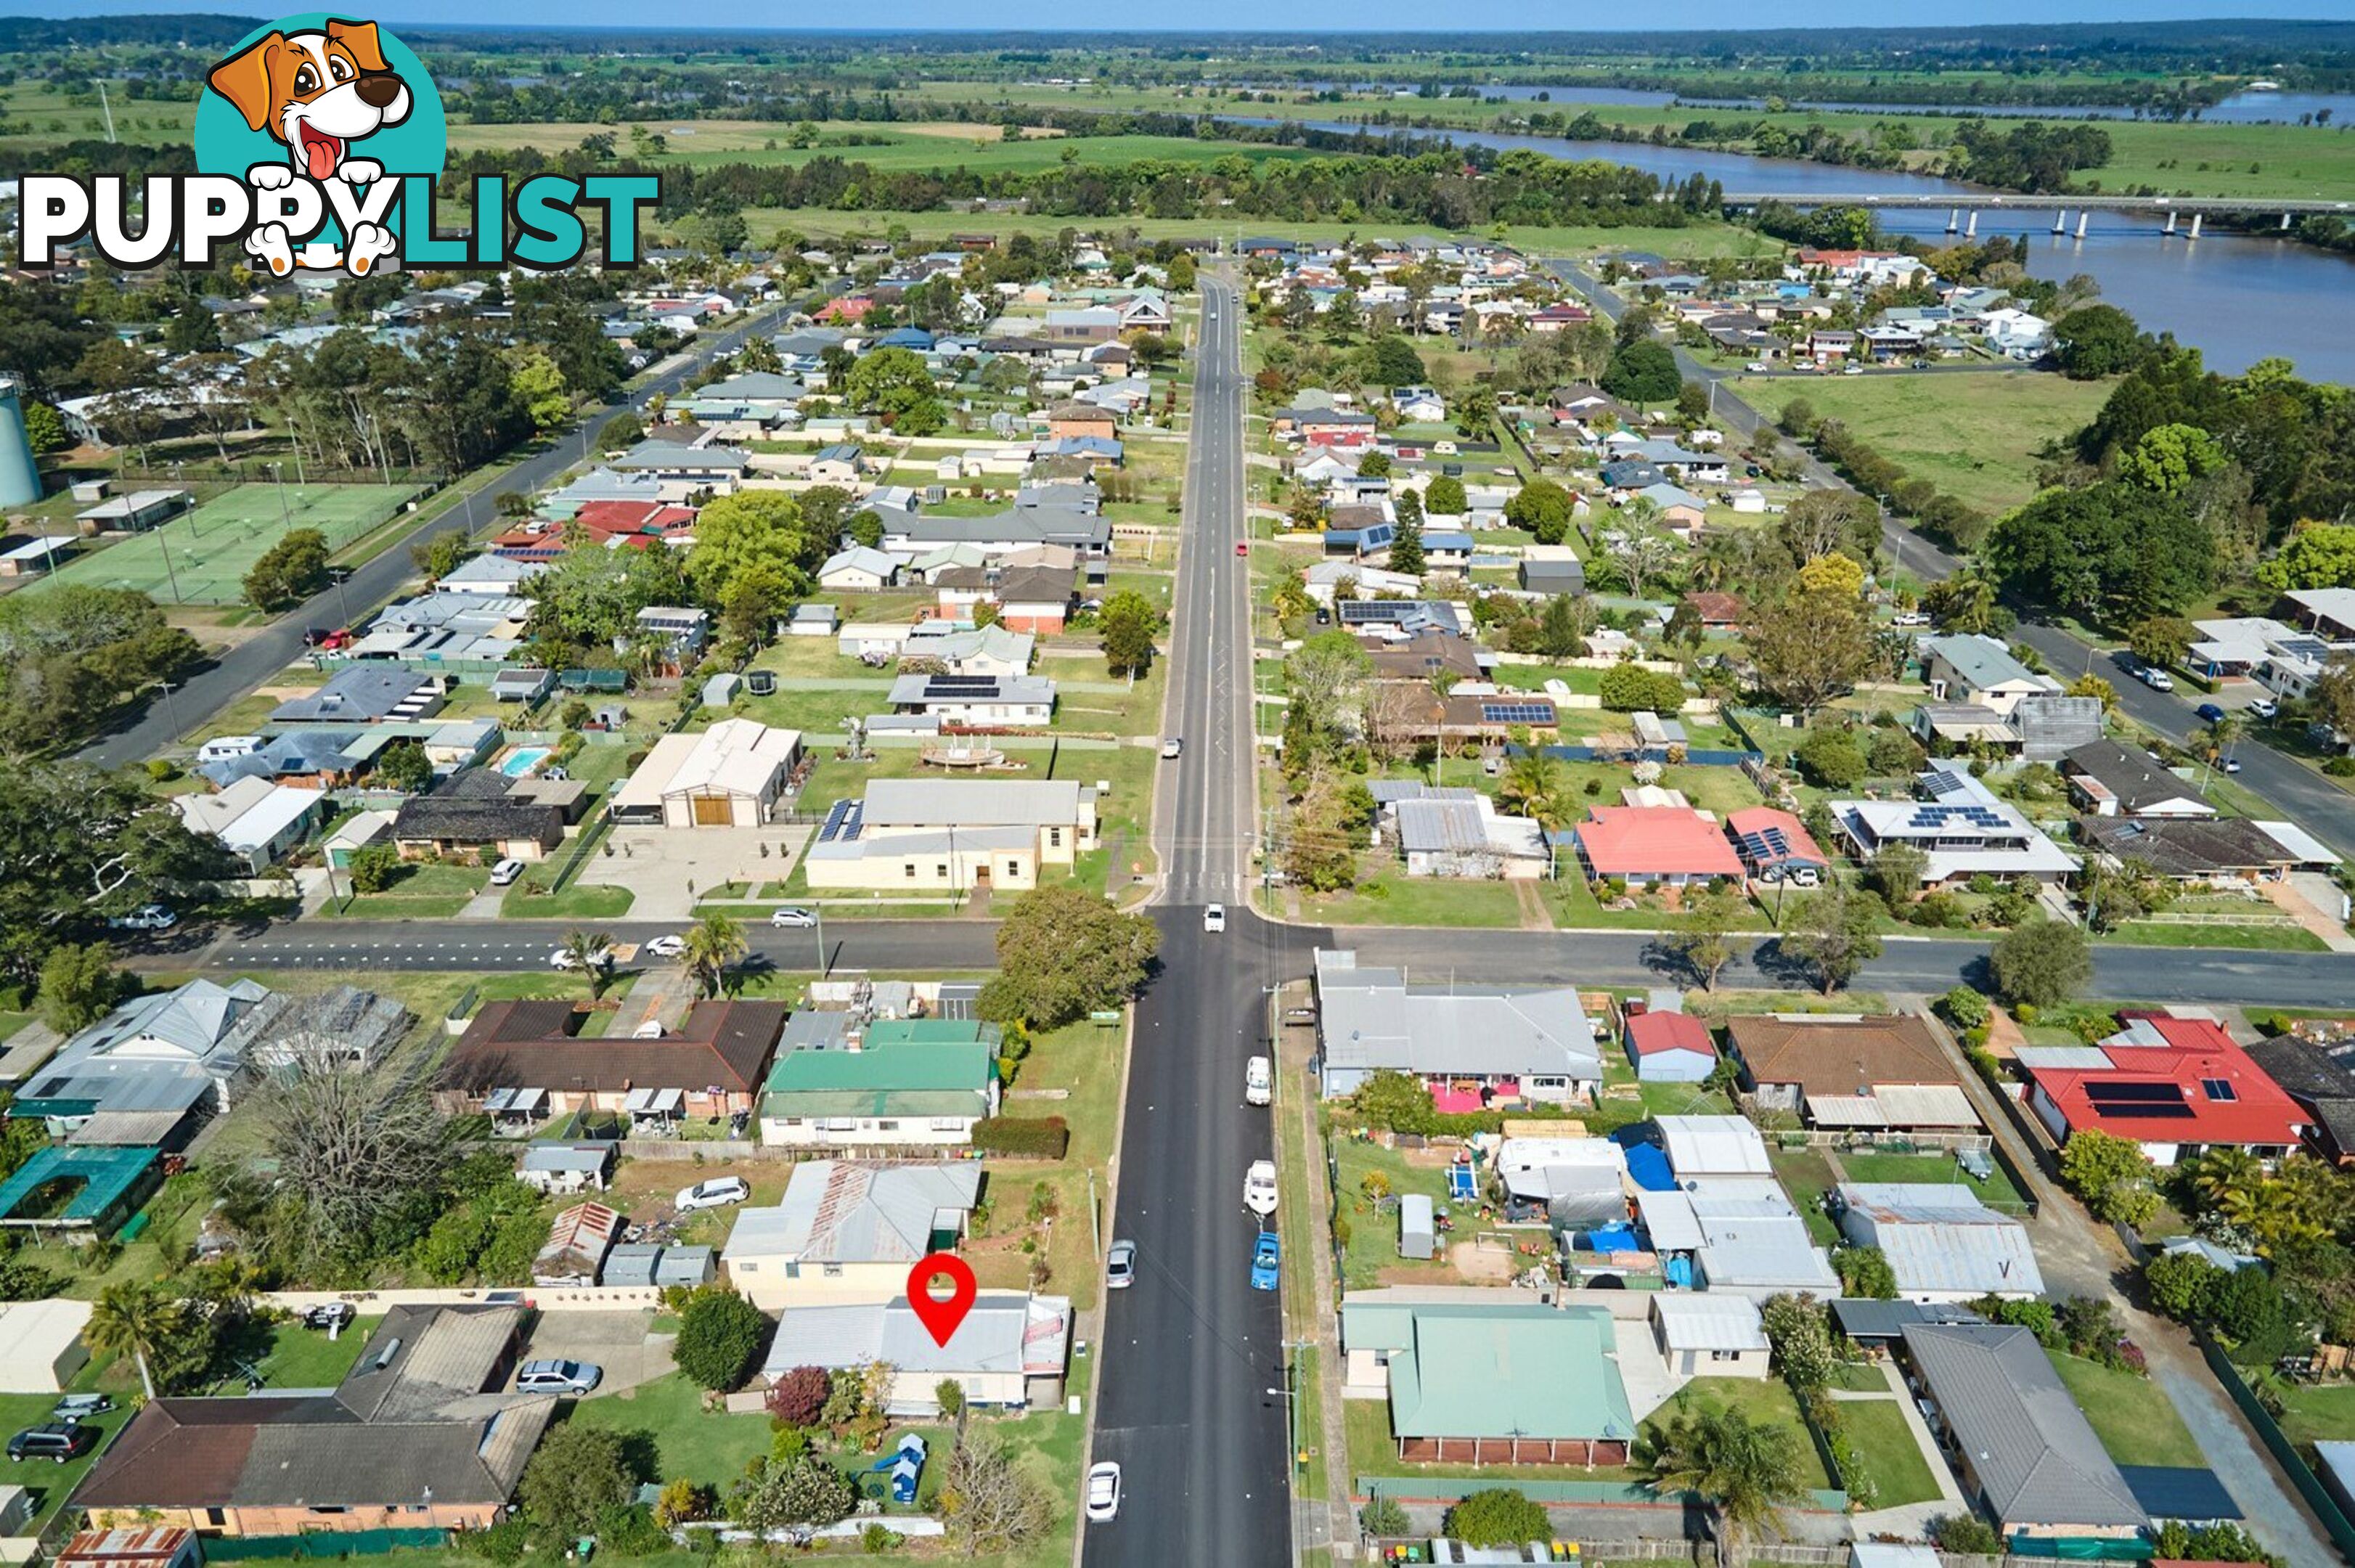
[573, 1378]
[1120, 1265]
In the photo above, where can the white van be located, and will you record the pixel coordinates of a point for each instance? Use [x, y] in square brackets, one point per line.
[1259, 1082]
[221, 748]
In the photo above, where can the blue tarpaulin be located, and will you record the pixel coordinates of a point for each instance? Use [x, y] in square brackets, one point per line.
[1614, 1238]
[1648, 1164]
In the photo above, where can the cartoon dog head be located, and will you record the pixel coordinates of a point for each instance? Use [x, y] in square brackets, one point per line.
[318, 92]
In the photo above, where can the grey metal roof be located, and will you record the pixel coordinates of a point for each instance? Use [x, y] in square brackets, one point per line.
[972, 803]
[1371, 1019]
[1001, 1334]
[840, 1211]
[1939, 1238]
[1981, 662]
[2033, 1451]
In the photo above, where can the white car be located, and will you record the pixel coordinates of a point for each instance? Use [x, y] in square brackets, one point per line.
[1104, 1492]
[671, 946]
[796, 919]
[716, 1193]
[566, 959]
[146, 917]
[1755, 365]
[1214, 918]
[2156, 678]
[1259, 1188]
[1172, 748]
[2265, 708]
[1853, 370]
[504, 872]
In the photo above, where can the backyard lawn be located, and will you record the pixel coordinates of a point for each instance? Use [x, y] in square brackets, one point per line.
[1997, 1191]
[1891, 1457]
[710, 1448]
[307, 1358]
[2313, 1414]
[2130, 1414]
[1807, 1176]
[1371, 1256]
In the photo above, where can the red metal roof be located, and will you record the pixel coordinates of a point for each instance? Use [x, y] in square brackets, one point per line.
[2209, 1092]
[1799, 843]
[1654, 841]
[1651, 1033]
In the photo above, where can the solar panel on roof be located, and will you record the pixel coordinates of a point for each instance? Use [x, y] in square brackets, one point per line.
[2219, 1090]
[1517, 713]
[2130, 1092]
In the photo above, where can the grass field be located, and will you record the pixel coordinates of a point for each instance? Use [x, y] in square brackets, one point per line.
[1974, 433]
[211, 548]
[1698, 241]
[1997, 1191]
[2186, 158]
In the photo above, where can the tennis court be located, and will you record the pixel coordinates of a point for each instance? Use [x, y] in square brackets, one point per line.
[212, 547]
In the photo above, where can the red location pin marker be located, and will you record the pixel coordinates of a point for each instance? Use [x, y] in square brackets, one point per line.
[940, 1314]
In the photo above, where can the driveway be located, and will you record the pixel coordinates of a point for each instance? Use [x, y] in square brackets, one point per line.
[620, 1343]
[670, 867]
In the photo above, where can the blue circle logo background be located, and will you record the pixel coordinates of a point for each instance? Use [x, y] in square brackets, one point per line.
[418, 145]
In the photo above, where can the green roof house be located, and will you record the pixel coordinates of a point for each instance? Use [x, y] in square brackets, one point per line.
[1473, 1382]
[896, 1084]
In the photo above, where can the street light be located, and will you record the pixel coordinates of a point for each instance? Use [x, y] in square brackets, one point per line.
[171, 709]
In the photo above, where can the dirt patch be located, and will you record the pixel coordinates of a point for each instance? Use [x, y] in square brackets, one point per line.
[1484, 1265]
[973, 131]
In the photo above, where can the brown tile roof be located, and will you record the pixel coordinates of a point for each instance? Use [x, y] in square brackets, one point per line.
[1841, 1056]
[534, 1044]
[183, 1453]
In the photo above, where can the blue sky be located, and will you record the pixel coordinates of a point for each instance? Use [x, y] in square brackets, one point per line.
[1330, 15]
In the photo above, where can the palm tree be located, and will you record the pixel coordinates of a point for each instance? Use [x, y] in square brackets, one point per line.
[2222, 1172]
[1529, 782]
[137, 1318]
[592, 952]
[1742, 1471]
[713, 944]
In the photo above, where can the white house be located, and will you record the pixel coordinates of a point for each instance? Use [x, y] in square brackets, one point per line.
[2016, 333]
[726, 776]
[1710, 1334]
[846, 1231]
[254, 819]
[857, 570]
[1007, 1352]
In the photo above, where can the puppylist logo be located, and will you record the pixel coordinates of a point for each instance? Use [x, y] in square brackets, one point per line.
[319, 141]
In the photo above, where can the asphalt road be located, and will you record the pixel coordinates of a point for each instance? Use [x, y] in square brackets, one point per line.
[2313, 802]
[1268, 952]
[1189, 1354]
[251, 663]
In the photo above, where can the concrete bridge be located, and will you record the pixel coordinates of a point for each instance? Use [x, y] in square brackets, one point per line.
[1963, 211]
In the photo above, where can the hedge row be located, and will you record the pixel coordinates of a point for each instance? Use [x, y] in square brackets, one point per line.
[1032, 1137]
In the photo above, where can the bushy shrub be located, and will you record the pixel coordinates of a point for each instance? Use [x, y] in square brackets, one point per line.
[1964, 1008]
[1631, 689]
[720, 1335]
[798, 1398]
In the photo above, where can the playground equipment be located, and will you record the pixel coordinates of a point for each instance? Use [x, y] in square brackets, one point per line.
[903, 1466]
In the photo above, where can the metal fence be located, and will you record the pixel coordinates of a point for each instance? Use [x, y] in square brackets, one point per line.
[319, 1544]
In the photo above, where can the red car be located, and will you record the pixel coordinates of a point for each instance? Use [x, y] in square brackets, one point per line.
[1243, 546]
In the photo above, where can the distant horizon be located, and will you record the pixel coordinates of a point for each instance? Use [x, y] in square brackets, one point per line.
[1236, 18]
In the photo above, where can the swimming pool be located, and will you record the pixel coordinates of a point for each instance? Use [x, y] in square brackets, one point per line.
[523, 760]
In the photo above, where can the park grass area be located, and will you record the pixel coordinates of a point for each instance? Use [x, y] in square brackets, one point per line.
[1974, 434]
[201, 557]
[1807, 1176]
[422, 891]
[1891, 1457]
[2130, 1414]
[1873, 1166]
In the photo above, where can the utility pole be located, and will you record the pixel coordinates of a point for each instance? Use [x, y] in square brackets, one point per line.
[108, 109]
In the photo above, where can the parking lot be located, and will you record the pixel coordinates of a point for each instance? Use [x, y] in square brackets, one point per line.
[670, 867]
[621, 1343]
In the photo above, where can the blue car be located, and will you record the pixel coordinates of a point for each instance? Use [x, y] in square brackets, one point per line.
[1264, 1256]
[2210, 714]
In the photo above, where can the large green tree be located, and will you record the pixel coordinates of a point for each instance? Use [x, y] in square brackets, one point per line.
[1643, 373]
[895, 384]
[1128, 622]
[2106, 548]
[1063, 952]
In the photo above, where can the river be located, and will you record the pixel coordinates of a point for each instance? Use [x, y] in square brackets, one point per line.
[2237, 298]
[2240, 109]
